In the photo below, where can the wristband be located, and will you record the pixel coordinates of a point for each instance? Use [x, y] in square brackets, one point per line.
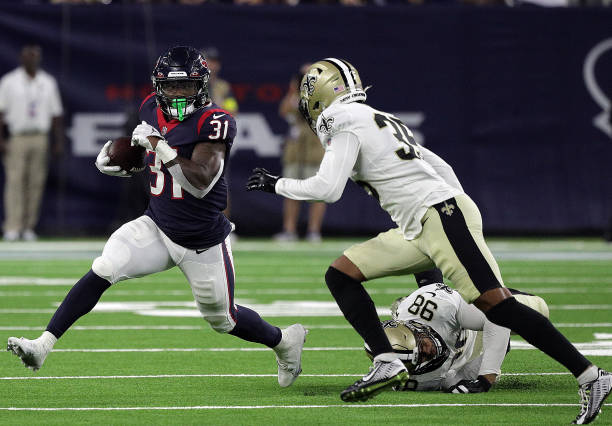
[165, 152]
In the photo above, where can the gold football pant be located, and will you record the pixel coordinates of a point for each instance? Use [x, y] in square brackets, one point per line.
[451, 239]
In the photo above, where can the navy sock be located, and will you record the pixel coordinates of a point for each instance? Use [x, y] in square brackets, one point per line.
[81, 299]
[429, 277]
[251, 327]
[359, 310]
[539, 331]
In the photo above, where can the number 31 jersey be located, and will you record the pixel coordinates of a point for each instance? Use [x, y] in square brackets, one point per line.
[437, 305]
[389, 165]
[191, 222]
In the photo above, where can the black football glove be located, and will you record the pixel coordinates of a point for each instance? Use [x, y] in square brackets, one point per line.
[471, 386]
[262, 180]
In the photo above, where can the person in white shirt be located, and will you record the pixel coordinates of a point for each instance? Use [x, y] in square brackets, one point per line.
[438, 225]
[30, 106]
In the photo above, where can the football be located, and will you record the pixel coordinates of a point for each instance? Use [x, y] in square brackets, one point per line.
[122, 153]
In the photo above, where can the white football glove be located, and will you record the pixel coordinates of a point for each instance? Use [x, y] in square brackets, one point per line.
[142, 132]
[140, 136]
[102, 163]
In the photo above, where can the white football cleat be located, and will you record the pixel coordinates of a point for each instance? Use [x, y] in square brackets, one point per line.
[592, 397]
[32, 352]
[289, 354]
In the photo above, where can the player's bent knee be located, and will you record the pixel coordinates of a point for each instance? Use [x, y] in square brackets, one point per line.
[220, 323]
[534, 302]
[103, 268]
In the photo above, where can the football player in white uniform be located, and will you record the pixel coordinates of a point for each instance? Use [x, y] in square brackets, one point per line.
[438, 225]
[447, 344]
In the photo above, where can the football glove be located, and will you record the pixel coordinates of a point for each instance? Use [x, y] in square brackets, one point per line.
[471, 386]
[141, 134]
[102, 161]
[262, 180]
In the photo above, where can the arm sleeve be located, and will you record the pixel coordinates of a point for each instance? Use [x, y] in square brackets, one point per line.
[329, 182]
[441, 167]
[494, 338]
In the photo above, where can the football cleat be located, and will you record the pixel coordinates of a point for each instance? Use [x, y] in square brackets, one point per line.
[382, 376]
[592, 397]
[31, 352]
[289, 354]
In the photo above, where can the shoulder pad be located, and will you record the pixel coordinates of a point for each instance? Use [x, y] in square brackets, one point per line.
[149, 97]
[335, 119]
[216, 124]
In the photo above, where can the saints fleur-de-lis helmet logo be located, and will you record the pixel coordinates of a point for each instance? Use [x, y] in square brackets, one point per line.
[308, 85]
[326, 124]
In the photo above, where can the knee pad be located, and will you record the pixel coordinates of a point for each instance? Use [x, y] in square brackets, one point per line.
[103, 268]
[219, 323]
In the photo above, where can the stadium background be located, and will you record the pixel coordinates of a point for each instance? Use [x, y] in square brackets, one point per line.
[516, 100]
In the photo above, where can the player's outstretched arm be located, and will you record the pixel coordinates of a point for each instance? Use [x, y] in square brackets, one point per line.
[329, 182]
[494, 340]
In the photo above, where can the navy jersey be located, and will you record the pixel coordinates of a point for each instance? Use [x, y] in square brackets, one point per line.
[191, 222]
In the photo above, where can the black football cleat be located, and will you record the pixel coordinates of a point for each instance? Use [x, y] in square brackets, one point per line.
[382, 376]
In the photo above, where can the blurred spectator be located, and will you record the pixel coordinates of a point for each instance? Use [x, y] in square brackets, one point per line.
[302, 155]
[30, 105]
[220, 90]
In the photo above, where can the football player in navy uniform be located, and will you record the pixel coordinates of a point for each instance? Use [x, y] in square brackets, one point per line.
[188, 139]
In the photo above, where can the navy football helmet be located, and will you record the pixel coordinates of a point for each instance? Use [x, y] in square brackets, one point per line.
[180, 80]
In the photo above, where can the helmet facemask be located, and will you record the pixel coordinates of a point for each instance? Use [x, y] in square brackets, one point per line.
[179, 98]
[419, 346]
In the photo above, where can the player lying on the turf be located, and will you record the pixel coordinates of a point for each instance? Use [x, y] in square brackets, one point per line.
[447, 344]
[438, 225]
[188, 138]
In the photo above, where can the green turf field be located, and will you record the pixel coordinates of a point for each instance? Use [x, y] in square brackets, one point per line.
[144, 356]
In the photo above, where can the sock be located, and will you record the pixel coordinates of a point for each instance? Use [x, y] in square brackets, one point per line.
[359, 310]
[251, 327]
[386, 357]
[589, 375]
[429, 277]
[48, 340]
[539, 331]
[81, 299]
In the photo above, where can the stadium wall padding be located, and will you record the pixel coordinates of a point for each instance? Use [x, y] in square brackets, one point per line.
[516, 100]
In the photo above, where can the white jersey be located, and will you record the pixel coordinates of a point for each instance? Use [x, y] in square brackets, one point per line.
[377, 151]
[438, 306]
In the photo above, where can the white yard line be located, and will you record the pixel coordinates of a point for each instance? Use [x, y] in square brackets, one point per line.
[112, 327]
[205, 328]
[258, 349]
[172, 376]
[294, 291]
[264, 407]
[278, 308]
[314, 276]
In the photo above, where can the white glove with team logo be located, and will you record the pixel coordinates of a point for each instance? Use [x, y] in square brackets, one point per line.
[102, 161]
[141, 134]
